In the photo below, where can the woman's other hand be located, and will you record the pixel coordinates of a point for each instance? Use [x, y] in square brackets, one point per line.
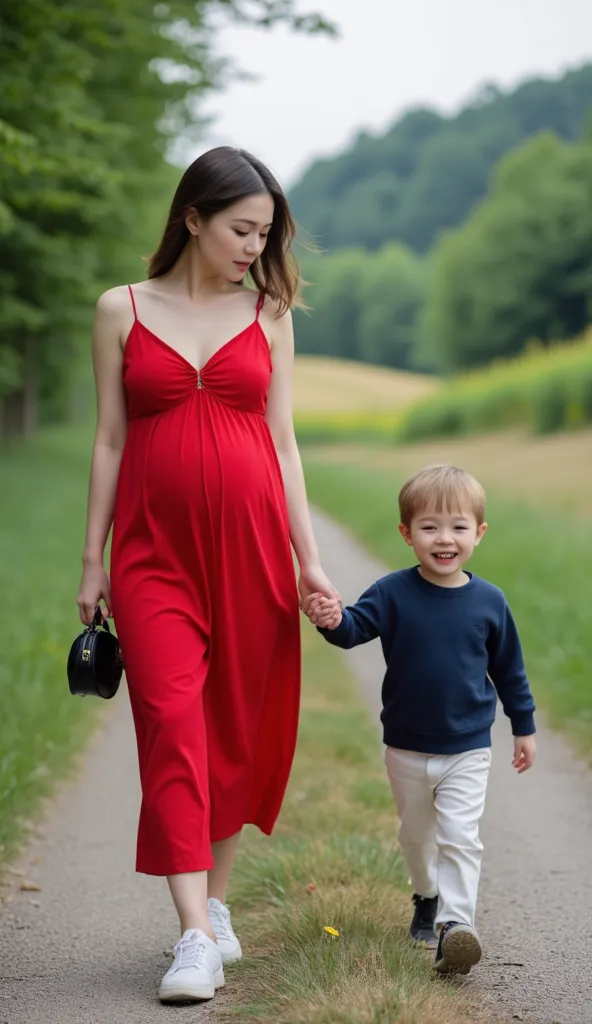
[94, 586]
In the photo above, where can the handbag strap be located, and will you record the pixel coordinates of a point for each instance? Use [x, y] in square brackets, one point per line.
[98, 620]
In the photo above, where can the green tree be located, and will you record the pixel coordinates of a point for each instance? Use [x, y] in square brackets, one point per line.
[91, 95]
[521, 267]
[391, 296]
[364, 306]
[427, 172]
[331, 325]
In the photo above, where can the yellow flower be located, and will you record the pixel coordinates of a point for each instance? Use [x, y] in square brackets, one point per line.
[331, 931]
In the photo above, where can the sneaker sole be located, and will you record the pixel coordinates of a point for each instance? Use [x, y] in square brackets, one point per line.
[191, 993]
[461, 950]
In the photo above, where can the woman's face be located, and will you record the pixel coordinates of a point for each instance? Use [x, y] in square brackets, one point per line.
[233, 239]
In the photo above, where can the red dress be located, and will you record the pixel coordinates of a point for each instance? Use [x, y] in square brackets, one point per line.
[204, 597]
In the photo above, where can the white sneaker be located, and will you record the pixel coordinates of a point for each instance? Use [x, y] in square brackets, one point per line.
[228, 943]
[196, 971]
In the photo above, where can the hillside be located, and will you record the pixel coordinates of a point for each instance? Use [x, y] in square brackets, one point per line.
[338, 385]
[427, 171]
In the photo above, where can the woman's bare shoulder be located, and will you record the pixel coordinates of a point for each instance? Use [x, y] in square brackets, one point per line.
[274, 309]
[277, 320]
[115, 301]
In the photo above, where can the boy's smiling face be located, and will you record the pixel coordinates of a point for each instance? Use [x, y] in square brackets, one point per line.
[443, 542]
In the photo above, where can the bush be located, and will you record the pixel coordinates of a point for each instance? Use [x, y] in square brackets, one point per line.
[545, 391]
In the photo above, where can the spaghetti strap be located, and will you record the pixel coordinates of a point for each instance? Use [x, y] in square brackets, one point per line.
[133, 302]
[260, 302]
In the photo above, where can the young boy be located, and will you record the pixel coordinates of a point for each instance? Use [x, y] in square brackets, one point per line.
[449, 643]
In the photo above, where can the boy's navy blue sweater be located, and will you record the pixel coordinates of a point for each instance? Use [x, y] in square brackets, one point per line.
[440, 645]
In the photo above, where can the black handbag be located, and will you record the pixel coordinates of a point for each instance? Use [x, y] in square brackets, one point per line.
[95, 664]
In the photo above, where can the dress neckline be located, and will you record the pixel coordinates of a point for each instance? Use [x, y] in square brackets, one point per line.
[182, 358]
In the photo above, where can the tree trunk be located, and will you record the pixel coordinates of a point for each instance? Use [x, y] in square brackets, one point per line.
[18, 410]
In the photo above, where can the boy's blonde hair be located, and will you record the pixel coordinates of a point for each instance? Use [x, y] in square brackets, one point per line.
[436, 488]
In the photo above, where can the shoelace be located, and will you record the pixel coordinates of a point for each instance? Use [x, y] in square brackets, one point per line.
[220, 919]
[189, 953]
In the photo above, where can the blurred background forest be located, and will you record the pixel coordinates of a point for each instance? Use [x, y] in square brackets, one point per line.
[453, 241]
[446, 244]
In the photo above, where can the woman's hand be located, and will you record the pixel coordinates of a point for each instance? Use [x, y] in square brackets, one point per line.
[93, 586]
[314, 581]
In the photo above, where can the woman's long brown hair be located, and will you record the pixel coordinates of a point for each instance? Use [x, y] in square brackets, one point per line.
[214, 181]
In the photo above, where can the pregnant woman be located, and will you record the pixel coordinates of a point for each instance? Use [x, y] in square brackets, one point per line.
[196, 466]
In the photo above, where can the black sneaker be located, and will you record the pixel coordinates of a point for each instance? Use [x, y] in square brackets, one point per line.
[422, 926]
[459, 949]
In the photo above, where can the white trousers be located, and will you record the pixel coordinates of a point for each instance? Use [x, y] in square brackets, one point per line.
[440, 799]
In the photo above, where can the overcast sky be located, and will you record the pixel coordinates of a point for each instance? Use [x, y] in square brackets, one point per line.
[313, 95]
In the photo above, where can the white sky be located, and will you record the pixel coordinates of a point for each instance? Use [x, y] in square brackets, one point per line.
[314, 94]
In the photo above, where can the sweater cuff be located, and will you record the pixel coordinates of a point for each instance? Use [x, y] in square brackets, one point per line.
[523, 724]
[340, 631]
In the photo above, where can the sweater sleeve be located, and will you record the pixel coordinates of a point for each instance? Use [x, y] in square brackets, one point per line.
[507, 672]
[360, 622]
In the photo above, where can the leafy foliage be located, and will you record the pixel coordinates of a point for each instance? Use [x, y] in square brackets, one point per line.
[91, 94]
[365, 306]
[544, 390]
[517, 266]
[428, 171]
[521, 267]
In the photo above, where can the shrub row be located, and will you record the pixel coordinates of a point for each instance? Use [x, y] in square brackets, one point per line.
[545, 391]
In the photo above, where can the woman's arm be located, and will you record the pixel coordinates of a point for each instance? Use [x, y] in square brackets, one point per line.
[107, 449]
[281, 425]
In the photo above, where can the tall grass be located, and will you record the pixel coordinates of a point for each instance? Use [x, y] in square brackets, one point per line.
[544, 390]
[543, 562]
[379, 427]
[43, 485]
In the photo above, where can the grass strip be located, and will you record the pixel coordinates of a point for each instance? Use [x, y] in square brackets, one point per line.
[42, 514]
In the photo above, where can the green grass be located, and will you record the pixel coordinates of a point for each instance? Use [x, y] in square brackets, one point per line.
[324, 428]
[42, 514]
[332, 861]
[542, 561]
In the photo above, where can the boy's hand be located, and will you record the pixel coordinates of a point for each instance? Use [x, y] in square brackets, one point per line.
[322, 611]
[524, 753]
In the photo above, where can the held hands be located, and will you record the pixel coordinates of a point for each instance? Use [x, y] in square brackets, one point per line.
[524, 753]
[323, 611]
[319, 599]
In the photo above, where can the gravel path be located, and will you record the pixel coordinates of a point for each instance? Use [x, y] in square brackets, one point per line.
[536, 889]
[88, 948]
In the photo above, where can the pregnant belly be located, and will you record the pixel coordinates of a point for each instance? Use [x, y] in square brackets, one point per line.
[200, 465]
